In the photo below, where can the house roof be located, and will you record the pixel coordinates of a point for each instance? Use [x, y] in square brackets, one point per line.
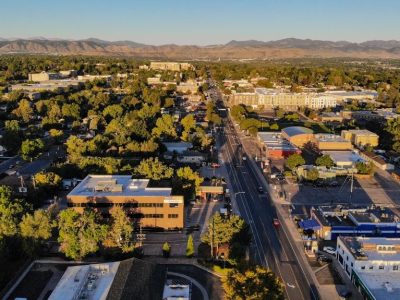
[138, 279]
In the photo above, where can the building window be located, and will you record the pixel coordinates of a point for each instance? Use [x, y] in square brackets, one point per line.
[395, 268]
[173, 205]
[347, 257]
[172, 216]
[362, 267]
[352, 264]
[153, 216]
[371, 267]
[381, 267]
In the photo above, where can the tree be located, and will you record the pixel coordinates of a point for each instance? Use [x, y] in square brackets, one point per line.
[324, 160]
[253, 284]
[31, 149]
[120, 234]
[188, 180]
[190, 247]
[56, 135]
[188, 123]
[24, 110]
[221, 230]
[71, 111]
[365, 168]
[11, 138]
[113, 111]
[79, 234]
[294, 160]
[165, 127]
[166, 249]
[35, 229]
[11, 211]
[154, 169]
[312, 174]
[49, 182]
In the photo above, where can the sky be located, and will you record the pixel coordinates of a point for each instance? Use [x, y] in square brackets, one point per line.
[201, 22]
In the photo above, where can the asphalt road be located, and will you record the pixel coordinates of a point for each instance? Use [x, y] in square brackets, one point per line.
[271, 246]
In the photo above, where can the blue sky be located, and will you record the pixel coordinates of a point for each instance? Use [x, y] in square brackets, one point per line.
[201, 22]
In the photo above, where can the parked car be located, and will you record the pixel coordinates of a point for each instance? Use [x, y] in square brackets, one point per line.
[276, 223]
[215, 165]
[324, 258]
[260, 190]
[329, 250]
[345, 294]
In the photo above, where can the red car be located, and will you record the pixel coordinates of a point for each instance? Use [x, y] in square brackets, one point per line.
[215, 165]
[276, 223]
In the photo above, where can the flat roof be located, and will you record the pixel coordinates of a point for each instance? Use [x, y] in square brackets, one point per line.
[274, 141]
[363, 248]
[361, 132]
[296, 130]
[327, 137]
[385, 285]
[343, 156]
[93, 281]
[116, 185]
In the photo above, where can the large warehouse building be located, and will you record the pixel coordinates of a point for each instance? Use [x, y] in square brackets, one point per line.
[151, 206]
[275, 146]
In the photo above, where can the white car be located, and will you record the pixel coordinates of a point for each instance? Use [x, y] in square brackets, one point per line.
[329, 250]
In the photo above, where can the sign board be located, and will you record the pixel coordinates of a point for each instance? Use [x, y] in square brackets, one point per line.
[172, 200]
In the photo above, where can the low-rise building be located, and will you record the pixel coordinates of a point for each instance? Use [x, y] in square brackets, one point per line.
[297, 135]
[361, 138]
[377, 160]
[330, 117]
[366, 221]
[94, 77]
[372, 264]
[344, 159]
[275, 146]
[56, 86]
[149, 206]
[187, 87]
[325, 141]
[178, 147]
[191, 157]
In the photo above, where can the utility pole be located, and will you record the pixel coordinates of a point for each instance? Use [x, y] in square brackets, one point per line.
[351, 187]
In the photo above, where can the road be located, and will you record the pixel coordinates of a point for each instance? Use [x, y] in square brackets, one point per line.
[272, 247]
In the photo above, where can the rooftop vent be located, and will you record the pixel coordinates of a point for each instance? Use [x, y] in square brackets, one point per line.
[388, 286]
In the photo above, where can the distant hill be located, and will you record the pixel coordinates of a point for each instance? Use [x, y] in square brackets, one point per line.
[250, 49]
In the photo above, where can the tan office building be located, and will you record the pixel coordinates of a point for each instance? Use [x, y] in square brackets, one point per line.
[298, 135]
[170, 66]
[324, 141]
[361, 137]
[43, 76]
[149, 206]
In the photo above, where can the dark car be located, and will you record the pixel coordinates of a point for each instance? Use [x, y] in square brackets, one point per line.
[260, 189]
[324, 258]
[345, 294]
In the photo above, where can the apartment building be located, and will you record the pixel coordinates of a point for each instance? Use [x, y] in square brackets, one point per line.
[149, 206]
[372, 264]
[46, 76]
[361, 137]
[170, 66]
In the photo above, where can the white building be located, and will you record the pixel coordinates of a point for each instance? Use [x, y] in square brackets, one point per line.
[321, 101]
[373, 265]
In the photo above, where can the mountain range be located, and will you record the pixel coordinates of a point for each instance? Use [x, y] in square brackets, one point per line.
[249, 49]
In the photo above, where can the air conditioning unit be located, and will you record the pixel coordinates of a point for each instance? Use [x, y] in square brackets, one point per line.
[22, 189]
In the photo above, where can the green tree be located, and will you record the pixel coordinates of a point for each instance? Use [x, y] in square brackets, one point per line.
[24, 110]
[113, 111]
[365, 168]
[35, 228]
[48, 182]
[154, 169]
[274, 126]
[222, 230]
[190, 247]
[31, 149]
[324, 160]
[56, 135]
[11, 211]
[166, 249]
[71, 111]
[120, 234]
[79, 234]
[312, 174]
[188, 181]
[165, 127]
[188, 123]
[294, 160]
[253, 284]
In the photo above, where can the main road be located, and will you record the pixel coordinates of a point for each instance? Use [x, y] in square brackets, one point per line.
[271, 247]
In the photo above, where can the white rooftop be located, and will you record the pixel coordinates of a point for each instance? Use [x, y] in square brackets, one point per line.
[176, 291]
[343, 156]
[116, 185]
[385, 285]
[91, 282]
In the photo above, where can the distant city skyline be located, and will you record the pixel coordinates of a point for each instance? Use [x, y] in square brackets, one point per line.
[207, 22]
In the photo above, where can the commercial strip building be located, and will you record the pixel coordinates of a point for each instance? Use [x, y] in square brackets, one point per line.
[149, 206]
[361, 138]
[372, 264]
[56, 86]
[338, 221]
[379, 115]
[275, 146]
[344, 159]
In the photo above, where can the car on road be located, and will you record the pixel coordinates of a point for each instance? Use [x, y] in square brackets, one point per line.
[276, 223]
[260, 189]
[11, 167]
[324, 258]
[345, 294]
[215, 165]
[329, 250]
